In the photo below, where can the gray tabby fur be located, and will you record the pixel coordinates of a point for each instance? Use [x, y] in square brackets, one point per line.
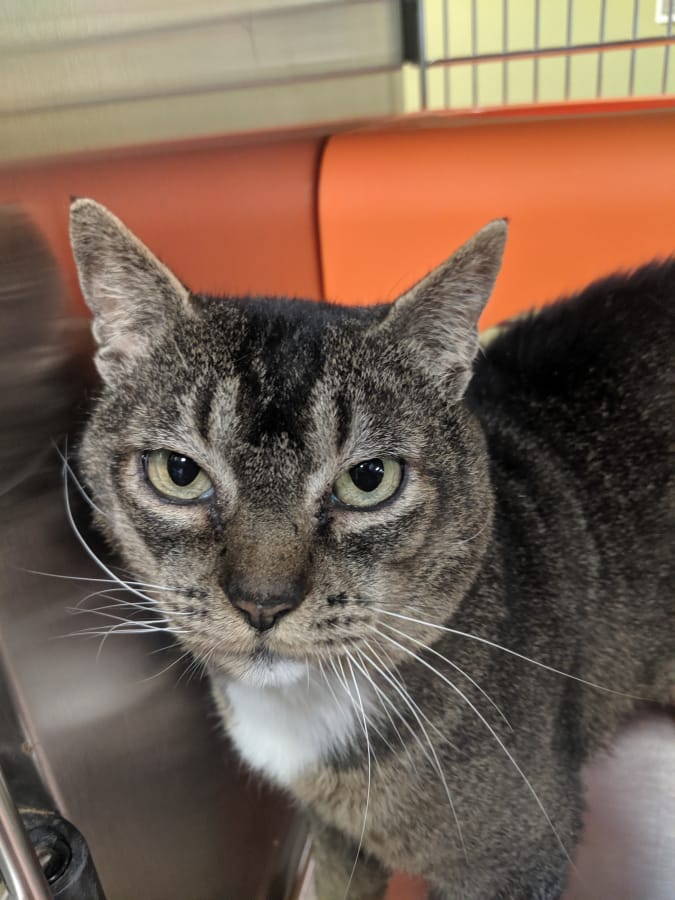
[536, 514]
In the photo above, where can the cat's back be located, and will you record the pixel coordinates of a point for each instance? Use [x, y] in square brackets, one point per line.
[582, 396]
[614, 339]
[588, 370]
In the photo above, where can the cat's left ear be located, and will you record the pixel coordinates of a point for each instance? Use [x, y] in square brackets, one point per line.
[132, 295]
[438, 316]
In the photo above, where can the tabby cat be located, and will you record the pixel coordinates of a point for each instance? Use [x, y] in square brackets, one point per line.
[428, 582]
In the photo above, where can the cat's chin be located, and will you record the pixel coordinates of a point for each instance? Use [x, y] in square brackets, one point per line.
[265, 670]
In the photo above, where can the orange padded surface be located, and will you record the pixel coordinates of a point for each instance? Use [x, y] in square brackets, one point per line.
[232, 220]
[403, 887]
[584, 197]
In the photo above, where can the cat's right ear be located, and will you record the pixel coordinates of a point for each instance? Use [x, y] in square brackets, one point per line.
[131, 294]
[438, 316]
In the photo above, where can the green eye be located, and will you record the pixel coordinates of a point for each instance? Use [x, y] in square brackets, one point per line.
[176, 476]
[369, 482]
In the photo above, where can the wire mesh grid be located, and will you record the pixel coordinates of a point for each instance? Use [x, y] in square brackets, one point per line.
[478, 53]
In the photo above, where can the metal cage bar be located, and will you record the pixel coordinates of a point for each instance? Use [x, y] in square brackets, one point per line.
[474, 52]
[601, 40]
[632, 35]
[19, 867]
[631, 73]
[505, 48]
[666, 52]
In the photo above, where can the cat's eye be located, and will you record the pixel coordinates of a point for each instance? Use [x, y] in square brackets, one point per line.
[176, 476]
[369, 483]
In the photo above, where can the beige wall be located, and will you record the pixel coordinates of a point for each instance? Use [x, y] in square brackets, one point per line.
[86, 74]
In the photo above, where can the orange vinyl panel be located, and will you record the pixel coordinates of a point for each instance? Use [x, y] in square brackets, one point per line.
[403, 887]
[584, 197]
[227, 220]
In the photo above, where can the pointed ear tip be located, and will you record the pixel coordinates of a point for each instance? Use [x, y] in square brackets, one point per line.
[500, 225]
[86, 214]
[79, 206]
[496, 231]
[85, 205]
[77, 203]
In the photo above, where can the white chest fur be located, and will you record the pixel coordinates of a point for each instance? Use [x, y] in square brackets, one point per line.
[285, 730]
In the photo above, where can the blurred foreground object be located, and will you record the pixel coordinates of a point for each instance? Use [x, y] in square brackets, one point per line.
[36, 385]
[114, 738]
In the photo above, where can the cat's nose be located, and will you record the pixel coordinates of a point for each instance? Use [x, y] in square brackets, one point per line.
[263, 607]
[263, 616]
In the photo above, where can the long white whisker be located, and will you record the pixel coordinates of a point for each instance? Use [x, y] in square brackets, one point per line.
[108, 615]
[67, 577]
[107, 593]
[347, 691]
[68, 470]
[384, 702]
[367, 805]
[434, 760]
[79, 610]
[369, 679]
[489, 727]
[405, 696]
[126, 626]
[114, 580]
[482, 640]
[115, 629]
[344, 686]
[327, 680]
[135, 626]
[166, 668]
[165, 648]
[88, 549]
[330, 686]
[123, 624]
[119, 601]
[119, 605]
[342, 678]
[402, 689]
[192, 670]
[457, 669]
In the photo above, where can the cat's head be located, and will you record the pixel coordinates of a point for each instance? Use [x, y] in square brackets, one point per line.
[285, 469]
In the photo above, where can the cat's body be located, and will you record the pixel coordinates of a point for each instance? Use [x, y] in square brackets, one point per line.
[562, 400]
[527, 519]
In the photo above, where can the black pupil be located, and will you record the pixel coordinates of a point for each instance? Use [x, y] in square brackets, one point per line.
[182, 470]
[368, 475]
